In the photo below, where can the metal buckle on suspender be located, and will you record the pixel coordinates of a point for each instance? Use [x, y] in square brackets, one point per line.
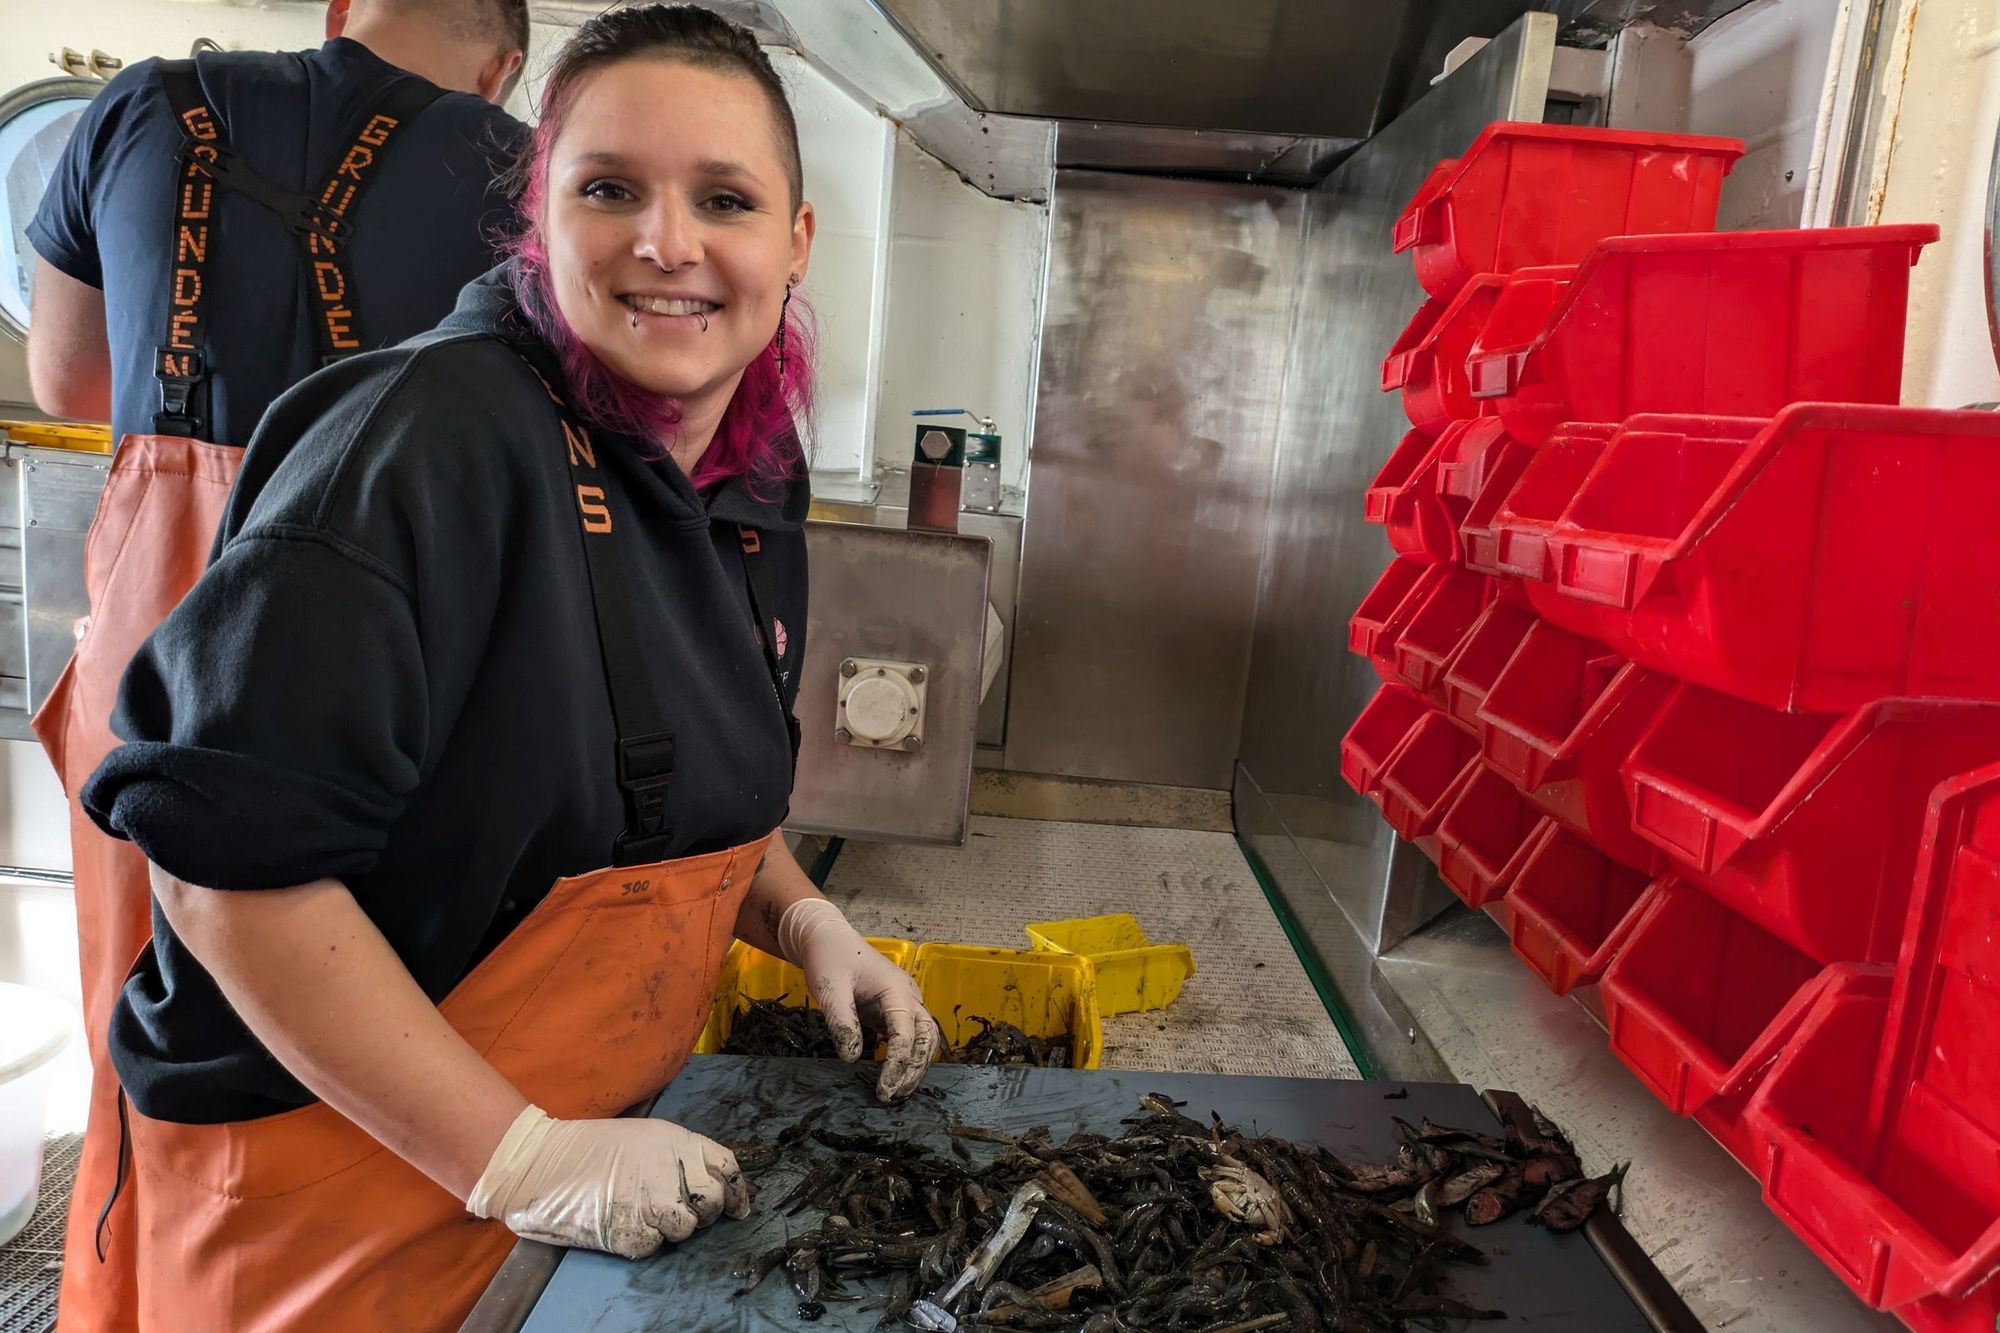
[645, 775]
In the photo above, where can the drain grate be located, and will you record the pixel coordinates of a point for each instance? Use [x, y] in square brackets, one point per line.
[31, 1263]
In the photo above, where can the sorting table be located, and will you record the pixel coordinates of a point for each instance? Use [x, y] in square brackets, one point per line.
[1594, 1281]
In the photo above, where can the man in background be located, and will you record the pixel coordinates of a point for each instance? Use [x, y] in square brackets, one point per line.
[217, 230]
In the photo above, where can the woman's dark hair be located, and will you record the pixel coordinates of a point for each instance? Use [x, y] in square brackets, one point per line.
[686, 34]
[758, 435]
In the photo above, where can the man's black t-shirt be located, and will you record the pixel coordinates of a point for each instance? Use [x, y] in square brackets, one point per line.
[428, 225]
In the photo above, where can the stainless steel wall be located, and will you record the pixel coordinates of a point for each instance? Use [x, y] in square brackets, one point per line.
[1163, 348]
[1332, 856]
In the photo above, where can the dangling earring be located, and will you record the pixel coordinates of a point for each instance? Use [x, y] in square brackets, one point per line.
[783, 311]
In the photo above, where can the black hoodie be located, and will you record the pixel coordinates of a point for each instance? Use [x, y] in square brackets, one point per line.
[390, 674]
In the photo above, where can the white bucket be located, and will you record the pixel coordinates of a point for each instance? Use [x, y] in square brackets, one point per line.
[34, 1028]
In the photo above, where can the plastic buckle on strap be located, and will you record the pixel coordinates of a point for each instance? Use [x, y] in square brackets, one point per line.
[645, 774]
[179, 373]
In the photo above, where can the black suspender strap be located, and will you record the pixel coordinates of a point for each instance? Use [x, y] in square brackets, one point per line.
[180, 365]
[763, 596]
[645, 745]
[322, 221]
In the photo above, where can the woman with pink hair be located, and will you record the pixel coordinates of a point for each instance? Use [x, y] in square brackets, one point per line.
[459, 770]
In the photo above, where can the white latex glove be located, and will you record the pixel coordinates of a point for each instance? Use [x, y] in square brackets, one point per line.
[622, 1186]
[850, 981]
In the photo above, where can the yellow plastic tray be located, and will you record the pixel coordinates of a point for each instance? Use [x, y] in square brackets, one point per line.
[1043, 994]
[50, 435]
[1133, 973]
[751, 974]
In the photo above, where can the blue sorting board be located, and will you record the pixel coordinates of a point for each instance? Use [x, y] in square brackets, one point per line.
[1550, 1283]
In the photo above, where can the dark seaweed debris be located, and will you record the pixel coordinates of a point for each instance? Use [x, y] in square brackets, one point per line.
[1172, 1227]
[772, 1027]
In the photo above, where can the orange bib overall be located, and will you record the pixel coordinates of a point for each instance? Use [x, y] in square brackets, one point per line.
[150, 540]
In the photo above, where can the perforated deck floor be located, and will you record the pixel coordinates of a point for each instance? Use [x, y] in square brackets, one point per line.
[31, 1263]
[1249, 1009]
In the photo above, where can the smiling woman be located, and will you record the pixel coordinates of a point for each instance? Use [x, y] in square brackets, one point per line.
[677, 252]
[461, 765]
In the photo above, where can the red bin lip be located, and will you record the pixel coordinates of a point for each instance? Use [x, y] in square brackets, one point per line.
[1598, 352]
[1808, 825]
[1445, 174]
[1833, 555]
[1419, 780]
[1463, 220]
[1518, 524]
[1431, 635]
[1383, 725]
[1428, 361]
[1883, 1194]
[1373, 628]
[1572, 908]
[1404, 500]
[1470, 453]
[1481, 656]
[1486, 835]
[1700, 1000]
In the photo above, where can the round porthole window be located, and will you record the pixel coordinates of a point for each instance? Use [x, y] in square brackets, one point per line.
[35, 122]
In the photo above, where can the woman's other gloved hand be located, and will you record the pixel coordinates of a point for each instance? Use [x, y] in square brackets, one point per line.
[853, 984]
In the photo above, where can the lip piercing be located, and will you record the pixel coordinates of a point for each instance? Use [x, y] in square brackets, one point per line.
[699, 315]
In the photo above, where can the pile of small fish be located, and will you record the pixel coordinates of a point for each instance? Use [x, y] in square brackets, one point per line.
[1172, 1227]
[1005, 1044]
[772, 1027]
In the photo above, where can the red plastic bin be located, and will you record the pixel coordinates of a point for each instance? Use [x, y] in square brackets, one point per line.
[1884, 1113]
[1699, 1000]
[1436, 628]
[1731, 323]
[1573, 908]
[1372, 630]
[1427, 361]
[1809, 825]
[1416, 785]
[1478, 543]
[1511, 537]
[1404, 500]
[1470, 452]
[1833, 556]
[1526, 193]
[1485, 837]
[1560, 721]
[1384, 722]
[1481, 656]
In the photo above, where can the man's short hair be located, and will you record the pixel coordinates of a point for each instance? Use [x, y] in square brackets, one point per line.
[498, 23]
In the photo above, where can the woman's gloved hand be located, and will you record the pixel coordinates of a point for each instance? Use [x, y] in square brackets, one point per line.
[852, 983]
[622, 1186]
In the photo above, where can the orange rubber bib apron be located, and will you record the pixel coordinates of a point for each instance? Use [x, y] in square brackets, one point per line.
[150, 540]
[302, 1222]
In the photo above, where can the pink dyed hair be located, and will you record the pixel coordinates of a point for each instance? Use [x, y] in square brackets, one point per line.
[758, 438]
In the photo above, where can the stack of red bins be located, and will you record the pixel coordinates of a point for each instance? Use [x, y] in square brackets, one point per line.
[1691, 663]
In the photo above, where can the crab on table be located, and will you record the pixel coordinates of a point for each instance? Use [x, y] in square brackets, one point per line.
[1241, 1195]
